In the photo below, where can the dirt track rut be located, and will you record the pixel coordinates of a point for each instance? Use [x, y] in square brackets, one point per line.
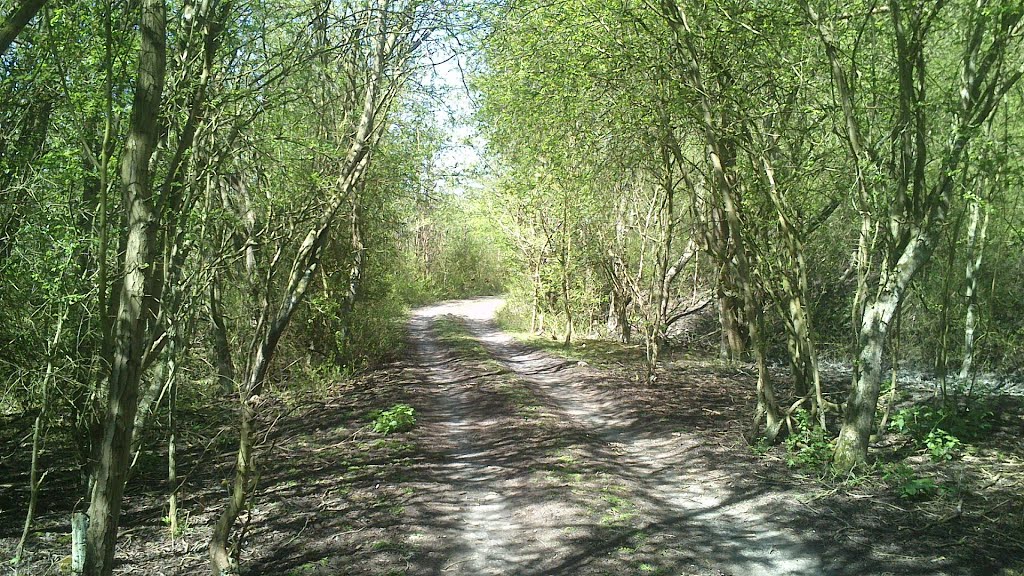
[577, 485]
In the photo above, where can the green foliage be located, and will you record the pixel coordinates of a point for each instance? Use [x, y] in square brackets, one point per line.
[907, 484]
[514, 316]
[182, 526]
[942, 430]
[309, 568]
[919, 489]
[398, 418]
[807, 446]
[760, 447]
[459, 249]
[941, 444]
[378, 335]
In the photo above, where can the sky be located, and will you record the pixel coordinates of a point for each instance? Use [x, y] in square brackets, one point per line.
[463, 147]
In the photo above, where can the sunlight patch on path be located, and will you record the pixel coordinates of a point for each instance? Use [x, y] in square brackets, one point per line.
[495, 537]
[734, 530]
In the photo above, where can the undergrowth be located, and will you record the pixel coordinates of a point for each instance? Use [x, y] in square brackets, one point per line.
[808, 445]
[398, 418]
[943, 430]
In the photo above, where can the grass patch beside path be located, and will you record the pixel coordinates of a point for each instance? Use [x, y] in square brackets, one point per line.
[596, 351]
[451, 332]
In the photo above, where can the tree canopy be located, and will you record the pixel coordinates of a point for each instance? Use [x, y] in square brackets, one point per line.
[225, 199]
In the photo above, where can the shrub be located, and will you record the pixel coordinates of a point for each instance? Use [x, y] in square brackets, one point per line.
[398, 418]
[808, 445]
[908, 485]
[942, 430]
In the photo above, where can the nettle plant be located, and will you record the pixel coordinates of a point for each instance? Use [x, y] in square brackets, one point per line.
[398, 418]
[942, 430]
[808, 445]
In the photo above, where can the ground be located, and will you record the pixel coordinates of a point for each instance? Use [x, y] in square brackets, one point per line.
[524, 461]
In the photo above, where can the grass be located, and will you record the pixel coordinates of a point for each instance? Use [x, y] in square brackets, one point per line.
[309, 568]
[453, 333]
[389, 546]
[598, 352]
[619, 511]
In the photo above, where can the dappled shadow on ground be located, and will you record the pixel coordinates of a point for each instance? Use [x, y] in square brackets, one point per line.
[524, 462]
[533, 464]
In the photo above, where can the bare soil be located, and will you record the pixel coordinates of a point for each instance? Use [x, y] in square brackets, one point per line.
[529, 462]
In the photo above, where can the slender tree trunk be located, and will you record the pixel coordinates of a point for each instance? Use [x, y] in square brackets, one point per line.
[611, 323]
[977, 230]
[172, 451]
[220, 556]
[942, 351]
[219, 334]
[17, 21]
[894, 374]
[666, 272]
[733, 342]
[38, 436]
[767, 409]
[625, 327]
[859, 420]
[113, 448]
[536, 323]
[565, 260]
[791, 302]
[176, 330]
[355, 271]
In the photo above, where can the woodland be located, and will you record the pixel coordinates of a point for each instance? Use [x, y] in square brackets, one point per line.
[214, 212]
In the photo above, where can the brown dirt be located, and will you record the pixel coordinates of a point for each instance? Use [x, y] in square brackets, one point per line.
[525, 462]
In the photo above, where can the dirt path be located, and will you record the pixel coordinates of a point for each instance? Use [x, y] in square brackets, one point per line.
[525, 463]
[494, 525]
[669, 512]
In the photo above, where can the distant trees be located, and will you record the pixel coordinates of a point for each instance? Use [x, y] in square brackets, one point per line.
[814, 155]
[909, 160]
[257, 146]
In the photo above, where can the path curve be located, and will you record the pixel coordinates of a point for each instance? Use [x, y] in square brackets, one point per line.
[505, 520]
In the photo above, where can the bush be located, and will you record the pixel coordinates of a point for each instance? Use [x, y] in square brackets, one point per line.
[398, 418]
[942, 430]
[808, 445]
[908, 485]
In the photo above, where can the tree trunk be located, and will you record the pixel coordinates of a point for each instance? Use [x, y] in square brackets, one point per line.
[220, 556]
[536, 320]
[38, 435]
[17, 21]
[977, 229]
[625, 328]
[113, 449]
[176, 330]
[172, 453]
[565, 260]
[859, 419]
[766, 409]
[355, 271]
[942, 350]
[733, 342]
[219, 333]
[79, 529]
[611, 324]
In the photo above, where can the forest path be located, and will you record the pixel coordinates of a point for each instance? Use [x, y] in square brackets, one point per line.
[548, 469]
